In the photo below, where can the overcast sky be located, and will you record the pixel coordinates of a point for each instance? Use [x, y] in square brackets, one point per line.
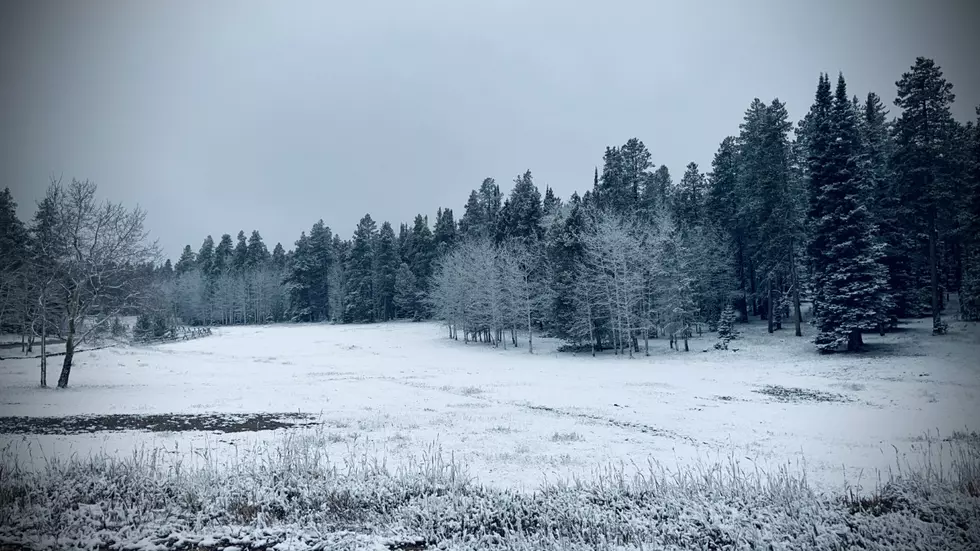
[217, 116]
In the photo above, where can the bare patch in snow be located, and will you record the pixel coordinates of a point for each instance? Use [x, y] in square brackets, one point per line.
[793, 394]
[222, 422]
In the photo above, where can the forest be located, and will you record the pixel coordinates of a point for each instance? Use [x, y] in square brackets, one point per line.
[863, 216]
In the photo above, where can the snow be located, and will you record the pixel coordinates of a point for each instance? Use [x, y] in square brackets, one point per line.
[514, 419]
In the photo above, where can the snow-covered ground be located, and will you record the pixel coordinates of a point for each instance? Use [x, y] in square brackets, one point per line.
[513, 418]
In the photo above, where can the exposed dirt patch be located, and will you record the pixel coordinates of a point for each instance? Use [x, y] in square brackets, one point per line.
[793, 394]
[167, 422]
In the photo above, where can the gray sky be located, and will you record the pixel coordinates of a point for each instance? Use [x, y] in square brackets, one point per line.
[218, 116]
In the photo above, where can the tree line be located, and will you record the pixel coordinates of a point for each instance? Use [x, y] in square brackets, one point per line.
[868, 217]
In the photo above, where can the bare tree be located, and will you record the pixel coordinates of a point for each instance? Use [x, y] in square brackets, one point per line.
[519, 262]
[614, 255]
[104, 245]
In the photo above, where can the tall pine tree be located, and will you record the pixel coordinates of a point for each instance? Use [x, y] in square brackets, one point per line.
[922, 136]
[386, 267]
[851, 280]
[359, 298]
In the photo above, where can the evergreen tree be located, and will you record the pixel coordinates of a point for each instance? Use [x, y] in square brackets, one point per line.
[386, 267]
[565, 254]
[613, 191]
[816, 134]
[635, 171]
[970, 287]
[622, 188]
[657, 192]
[205, 256]
[922, 136]
[13, 263]
[421, 252]
[551, 202]
[279, 257]
[522, 213]
[482, 213]
[444, 234]
[407, 296]
[722, 207]
[689, 198]
[886, 207]
[336, 277]
[726, 324]
[359, 298]
[223, 255]
[770, 206]
[404, 242]
[851, 281]
[187, 261]
[309, 281]
[474, 220]
[256, 253]
[491, 199]
[240, 254]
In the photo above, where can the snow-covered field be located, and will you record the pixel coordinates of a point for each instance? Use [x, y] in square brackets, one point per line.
[513, 419]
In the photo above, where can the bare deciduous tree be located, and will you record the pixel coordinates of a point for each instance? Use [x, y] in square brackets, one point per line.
[102, 246]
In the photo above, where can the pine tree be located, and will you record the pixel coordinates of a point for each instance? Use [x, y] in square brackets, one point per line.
[657, 192]
[279, 257]
[386, 268]
[359, 300]
[522, 213]
[886, 207]
[474, 221]
[404, 242]
[565, 253]
[726, 324]
[312, 292]
[335, 278]
[922, 135]
[444, 234]
[421, 254]
[187, 261]
[722, 206]
[256, 253]
[407, 296]
[611, 192]
[636, 173]
[816, 134]
[205, 256]
[223, 255]
[689, 198]
[970, 287]
[852, 282]
[551, 202]
[622, 188]
[770, 206]
[240, 254]
[726, 328]
[14, 300]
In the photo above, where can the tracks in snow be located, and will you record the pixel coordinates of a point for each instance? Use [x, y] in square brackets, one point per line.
[558, 412]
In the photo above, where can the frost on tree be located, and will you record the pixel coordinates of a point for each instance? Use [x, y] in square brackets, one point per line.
[850, 280]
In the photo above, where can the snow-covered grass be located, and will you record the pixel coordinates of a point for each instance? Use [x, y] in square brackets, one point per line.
[290, 495]
[730, 430]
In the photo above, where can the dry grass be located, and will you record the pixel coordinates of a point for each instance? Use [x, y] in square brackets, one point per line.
[928, 501]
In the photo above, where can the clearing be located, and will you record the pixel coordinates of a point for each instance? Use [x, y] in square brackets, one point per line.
[387, 392]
